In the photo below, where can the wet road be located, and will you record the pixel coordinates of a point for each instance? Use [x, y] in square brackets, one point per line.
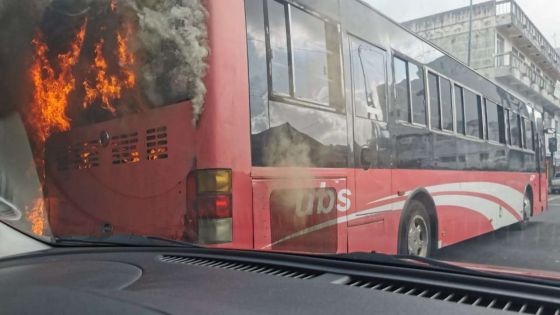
[537, 246]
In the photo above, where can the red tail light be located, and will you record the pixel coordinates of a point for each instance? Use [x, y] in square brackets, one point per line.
[209, 207]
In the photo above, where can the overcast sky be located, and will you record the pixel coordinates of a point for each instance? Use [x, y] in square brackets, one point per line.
[544, 13]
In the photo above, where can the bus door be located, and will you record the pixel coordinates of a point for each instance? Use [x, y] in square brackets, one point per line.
[367, 224]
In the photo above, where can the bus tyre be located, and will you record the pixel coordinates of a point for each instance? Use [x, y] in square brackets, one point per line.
[416, 238]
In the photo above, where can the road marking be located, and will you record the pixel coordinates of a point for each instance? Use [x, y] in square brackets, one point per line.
[553, 198]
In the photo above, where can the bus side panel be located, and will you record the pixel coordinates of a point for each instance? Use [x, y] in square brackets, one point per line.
[223, 137]
[300, 214]
[469, 203]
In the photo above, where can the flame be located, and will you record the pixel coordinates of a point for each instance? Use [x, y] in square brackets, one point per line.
[37, 217]
[108, 88]
[51, 89]
[113, 5]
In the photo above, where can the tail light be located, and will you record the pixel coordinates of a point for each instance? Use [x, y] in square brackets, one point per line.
[209, 213]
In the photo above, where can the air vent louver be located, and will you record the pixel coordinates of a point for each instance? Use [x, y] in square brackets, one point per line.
[156, 143]
[79, 156]
[490, 301]
[242, 266]
[125, 148]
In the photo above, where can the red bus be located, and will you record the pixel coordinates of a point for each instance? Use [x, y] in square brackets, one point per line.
[326, 127]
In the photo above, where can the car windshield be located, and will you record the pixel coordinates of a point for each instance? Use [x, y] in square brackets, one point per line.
[324, 127]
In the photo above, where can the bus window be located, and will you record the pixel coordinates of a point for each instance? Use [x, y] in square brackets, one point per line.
[515, 130]
[473, 115]
[501, 124]
[528, 126]
[459, 110]
[446, 105]
[308, 68]
[369, 80]
[435, 112]
[507, 131]
[417, 91]
[311, 80]
[492, 121]
[278, 48]
[402, 88]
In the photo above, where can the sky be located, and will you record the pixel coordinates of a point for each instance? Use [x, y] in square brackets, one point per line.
[545, 14]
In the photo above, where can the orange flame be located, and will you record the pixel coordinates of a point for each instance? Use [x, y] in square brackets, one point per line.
[51, 89]
[37, 217]
[108, 88]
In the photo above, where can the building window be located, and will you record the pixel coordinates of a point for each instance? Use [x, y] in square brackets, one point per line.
[403, 89]
[369, 80]
[459, 110]
[418, 94]
[473, 114]
[500, 50]
[435, 111]
[446, 104]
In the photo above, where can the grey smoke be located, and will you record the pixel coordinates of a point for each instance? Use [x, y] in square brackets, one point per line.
[174, 35]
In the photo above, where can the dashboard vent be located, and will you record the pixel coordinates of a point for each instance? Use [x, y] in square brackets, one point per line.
[242, 266]
[486, 300]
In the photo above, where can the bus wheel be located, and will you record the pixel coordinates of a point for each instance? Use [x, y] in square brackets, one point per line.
[416, 239]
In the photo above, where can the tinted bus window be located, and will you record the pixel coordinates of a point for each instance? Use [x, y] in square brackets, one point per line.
[278, 48]
[446, 104]
[368, 78]
[507, 131]
[402, 89]
[528, 134]
[310, 57]
[472, 114]
[492, 121]
[515, 130]
[418, 94]
[501, 124]
[459, 110]
[435, 115]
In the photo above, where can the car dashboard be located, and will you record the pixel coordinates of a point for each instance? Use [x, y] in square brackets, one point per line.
[209, 281]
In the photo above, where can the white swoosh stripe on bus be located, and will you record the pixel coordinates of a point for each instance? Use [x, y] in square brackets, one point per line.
[489, 209]
[508, 195]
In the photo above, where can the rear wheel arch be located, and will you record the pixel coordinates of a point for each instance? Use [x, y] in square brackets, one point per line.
[423, 196]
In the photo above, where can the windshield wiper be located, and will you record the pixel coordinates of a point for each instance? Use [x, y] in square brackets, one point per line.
[122, 240]
[408, 260]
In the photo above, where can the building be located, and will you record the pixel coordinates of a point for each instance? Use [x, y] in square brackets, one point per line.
[506, 46]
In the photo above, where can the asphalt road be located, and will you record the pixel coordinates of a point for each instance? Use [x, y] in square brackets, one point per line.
[537, 246]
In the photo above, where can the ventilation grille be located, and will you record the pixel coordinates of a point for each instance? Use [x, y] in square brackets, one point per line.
[490, 301]
[156, 143]
[79, 156]
[125, 148]
[240, 266]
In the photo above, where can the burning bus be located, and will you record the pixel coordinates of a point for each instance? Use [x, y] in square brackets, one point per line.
[292, 125]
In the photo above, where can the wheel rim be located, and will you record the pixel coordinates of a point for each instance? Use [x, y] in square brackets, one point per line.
[526, 208]
[418, 239]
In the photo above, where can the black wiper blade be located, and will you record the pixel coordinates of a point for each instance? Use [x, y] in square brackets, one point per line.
[406, 260]
[435, 263]
[122, 240]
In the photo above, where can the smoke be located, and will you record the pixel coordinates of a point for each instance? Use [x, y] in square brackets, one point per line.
[174, 35]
